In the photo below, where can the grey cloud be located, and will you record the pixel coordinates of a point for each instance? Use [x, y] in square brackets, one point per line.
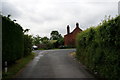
[119, 8]
[8, 8]
[43, 16]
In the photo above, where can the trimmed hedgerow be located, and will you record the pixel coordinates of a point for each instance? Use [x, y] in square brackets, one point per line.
[98, 48]
[12, 40]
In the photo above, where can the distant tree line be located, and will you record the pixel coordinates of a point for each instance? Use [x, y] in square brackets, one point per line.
[55, 41]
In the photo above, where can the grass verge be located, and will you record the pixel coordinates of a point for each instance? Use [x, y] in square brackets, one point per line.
[73, 54]
[15, 68]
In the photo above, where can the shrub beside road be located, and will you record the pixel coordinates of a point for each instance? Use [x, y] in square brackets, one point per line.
[98, 48]
[16, 47]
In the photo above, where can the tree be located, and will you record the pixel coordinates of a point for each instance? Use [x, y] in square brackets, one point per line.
[36, 40]
[45, 43]
[61, 41]
[44, 40]
[55, 35]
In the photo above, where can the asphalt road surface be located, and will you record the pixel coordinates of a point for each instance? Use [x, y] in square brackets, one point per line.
[54, 64]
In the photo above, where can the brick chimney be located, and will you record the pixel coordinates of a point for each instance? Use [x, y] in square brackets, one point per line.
[77, 24]
[68, 29]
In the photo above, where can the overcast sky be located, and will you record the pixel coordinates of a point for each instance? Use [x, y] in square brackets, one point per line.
[44, 16]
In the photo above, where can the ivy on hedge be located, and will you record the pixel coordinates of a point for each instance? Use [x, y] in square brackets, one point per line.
[99, 48]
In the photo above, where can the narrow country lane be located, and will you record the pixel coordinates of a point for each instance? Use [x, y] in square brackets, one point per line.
[54, 64]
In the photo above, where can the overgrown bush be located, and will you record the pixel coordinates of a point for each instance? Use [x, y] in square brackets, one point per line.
[12, 40]
[98, 48]
[27, 44]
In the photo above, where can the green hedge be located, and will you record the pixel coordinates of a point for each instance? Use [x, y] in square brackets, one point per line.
[27, 44]
[12, 40]
[99, 48]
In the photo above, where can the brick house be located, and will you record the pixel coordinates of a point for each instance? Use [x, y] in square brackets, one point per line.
[70, 38]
